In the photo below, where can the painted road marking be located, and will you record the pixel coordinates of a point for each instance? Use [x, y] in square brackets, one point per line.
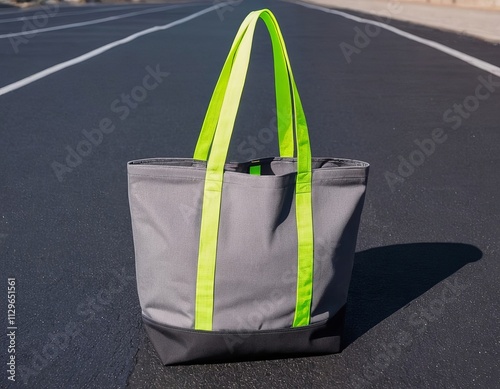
[478, 63]
[44, 10]
[63, 65]
[89, 22]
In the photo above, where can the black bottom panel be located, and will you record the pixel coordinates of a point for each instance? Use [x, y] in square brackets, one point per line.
[177, 345]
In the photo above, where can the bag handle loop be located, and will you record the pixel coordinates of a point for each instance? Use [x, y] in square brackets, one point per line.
[214, 178]
[282, 91]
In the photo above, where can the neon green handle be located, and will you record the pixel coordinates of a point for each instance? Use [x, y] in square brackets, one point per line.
[239, 58]
[283, 99]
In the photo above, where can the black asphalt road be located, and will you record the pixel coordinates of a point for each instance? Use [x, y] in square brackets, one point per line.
[424, 300]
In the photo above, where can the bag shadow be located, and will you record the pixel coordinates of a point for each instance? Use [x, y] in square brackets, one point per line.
[385, 279]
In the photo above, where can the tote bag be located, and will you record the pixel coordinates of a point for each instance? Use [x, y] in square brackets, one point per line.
[245, 260]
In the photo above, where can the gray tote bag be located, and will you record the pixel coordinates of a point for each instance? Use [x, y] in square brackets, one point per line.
[245, 260]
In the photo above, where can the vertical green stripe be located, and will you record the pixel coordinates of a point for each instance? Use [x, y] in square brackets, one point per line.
[255, 170]
[208, 249]
[305, 261]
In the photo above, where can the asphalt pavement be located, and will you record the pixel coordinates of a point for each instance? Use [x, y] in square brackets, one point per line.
[423, 308]
[482, 23]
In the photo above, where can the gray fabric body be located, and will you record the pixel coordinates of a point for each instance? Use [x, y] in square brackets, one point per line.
[256, 269]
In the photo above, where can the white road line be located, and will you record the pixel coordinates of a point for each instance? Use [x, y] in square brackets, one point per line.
[43, 11]
[21, 11]
[89, 22]
[478, 63]
[63, 65]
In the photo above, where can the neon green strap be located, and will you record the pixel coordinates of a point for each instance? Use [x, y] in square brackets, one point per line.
[255, 170]
[283, 100]
[239, 58]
